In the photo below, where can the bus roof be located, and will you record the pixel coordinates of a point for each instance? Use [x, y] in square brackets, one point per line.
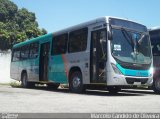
[28, 41]
[97, 20]
[81, 25]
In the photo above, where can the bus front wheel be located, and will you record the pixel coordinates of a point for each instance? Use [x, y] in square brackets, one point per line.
[76, 83]
[113, 89]
[156, 86]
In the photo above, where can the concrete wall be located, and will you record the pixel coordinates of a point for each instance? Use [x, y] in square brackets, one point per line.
[5, 58]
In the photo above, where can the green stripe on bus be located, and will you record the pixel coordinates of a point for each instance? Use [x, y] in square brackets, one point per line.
[56, 70]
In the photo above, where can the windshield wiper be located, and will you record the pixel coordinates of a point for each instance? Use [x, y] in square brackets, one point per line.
[130, 41]
[138, 42]
[128, 37]
[141, 39]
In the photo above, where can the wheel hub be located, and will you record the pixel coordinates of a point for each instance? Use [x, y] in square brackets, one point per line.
[76, 82]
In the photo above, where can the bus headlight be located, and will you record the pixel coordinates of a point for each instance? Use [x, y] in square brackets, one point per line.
[151, 71]
[116, 70]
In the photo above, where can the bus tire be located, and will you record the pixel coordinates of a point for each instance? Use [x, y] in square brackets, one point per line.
[113, 89]
[53, 85]
[76, 83]
[25, 83]
[156, 86]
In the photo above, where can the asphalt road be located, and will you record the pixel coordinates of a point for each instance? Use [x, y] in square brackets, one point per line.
[43, 100]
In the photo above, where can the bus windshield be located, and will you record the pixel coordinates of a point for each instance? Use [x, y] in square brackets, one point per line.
[130, 46]
[155, 41]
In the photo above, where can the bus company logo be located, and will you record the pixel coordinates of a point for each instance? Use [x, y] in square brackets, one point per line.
[141, 74]
[138, 73]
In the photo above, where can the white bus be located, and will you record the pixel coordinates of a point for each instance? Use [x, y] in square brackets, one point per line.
[106, 51]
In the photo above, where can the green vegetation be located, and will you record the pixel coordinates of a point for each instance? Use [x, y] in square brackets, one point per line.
[16, 25]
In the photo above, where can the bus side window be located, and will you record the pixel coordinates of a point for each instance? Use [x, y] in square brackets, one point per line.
[16, 55]
[25, 52]
[78, 40]
[34, 47]
[59, 44]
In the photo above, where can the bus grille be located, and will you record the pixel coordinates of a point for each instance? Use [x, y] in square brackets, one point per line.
[132, 80]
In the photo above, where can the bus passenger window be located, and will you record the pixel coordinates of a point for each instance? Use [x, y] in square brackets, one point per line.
[78, 40]
[34, 50]
[16, 55]
[25, 52]
[59, 44]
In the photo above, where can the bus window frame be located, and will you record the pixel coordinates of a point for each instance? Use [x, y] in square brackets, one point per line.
[37, 50]
[84, 28]
[66, 44]
[20, 49]
[13, 51]
[28, 52]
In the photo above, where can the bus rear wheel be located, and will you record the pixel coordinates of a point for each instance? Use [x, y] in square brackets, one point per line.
[113, 89]
[76, 84]
[156, 86]
[25, 83]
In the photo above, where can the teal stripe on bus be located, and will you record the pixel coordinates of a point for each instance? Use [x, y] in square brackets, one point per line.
[57, 70]
[40, 38]
[131, 72]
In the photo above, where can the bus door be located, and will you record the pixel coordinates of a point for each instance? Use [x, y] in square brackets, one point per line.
[98, 54]
[44, 58]
[15, 63]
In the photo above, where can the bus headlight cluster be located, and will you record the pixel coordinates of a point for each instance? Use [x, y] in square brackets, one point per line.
[116, 70]
[151, 71]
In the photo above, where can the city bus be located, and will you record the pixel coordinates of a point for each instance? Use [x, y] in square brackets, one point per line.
[107, 51]
[155, 42]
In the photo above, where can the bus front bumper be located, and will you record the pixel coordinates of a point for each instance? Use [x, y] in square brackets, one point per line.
[121, 80]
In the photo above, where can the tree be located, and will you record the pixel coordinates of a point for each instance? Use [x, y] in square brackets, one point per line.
[16, 25]
[7, 10]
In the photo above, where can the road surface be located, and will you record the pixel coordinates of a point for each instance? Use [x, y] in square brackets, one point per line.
[43, 100]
